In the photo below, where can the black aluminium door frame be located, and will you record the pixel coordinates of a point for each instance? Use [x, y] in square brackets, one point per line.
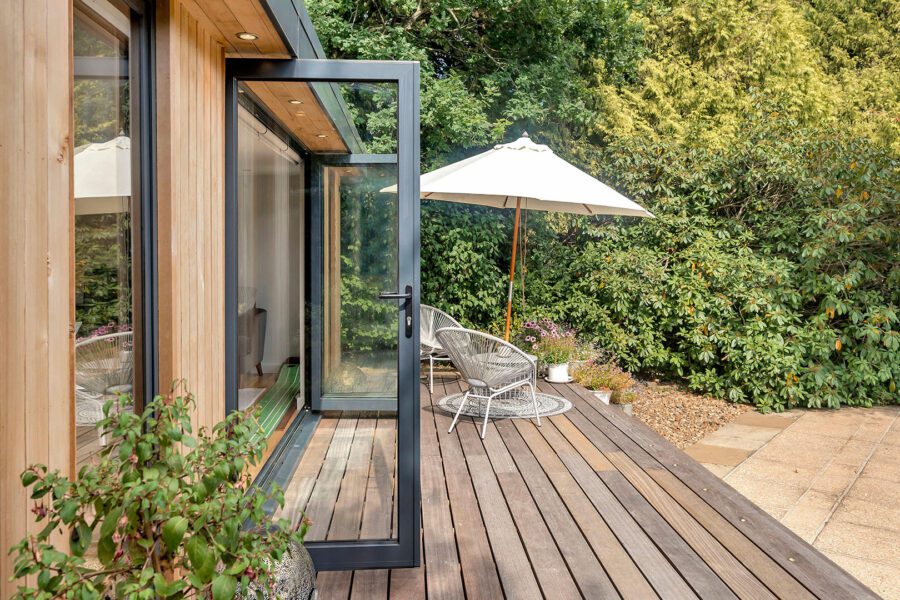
[405, 550]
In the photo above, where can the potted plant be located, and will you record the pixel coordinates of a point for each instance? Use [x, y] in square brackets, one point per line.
[608, 381]
[624, 399]
[162, 514]
[553, 345]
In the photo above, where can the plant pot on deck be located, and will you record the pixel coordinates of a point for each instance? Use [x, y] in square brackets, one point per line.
[603, 395]
[623, 399]
[294, 578]
[558, 373]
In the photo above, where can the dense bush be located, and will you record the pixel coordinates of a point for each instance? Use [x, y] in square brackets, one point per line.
[764, 136]
[769, 275]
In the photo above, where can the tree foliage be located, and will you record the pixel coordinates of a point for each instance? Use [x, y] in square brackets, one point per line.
[764, 135]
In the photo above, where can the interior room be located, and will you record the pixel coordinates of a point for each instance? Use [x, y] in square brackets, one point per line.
[320, 158]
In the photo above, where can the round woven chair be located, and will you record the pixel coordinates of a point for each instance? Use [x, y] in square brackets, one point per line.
[490, 366]
[105, 364]
[430, 320]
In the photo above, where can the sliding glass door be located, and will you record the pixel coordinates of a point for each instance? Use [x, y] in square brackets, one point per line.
[344, 442]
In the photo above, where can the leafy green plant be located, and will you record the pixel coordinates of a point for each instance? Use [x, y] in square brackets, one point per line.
[770, 159]
[163, 514]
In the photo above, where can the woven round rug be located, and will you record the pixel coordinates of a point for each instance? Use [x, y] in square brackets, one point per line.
[512, 405]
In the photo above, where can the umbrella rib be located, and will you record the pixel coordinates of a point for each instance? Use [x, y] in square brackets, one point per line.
[588, 208]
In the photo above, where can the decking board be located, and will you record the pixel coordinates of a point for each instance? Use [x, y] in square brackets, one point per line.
[592, 504]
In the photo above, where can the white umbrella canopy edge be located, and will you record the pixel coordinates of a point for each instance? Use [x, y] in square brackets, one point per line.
[529, 172]
[102, 176]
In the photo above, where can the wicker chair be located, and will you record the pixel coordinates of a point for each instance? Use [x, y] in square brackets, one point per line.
[89, 410]
[105, 364]
[490, 366]
[430, 320]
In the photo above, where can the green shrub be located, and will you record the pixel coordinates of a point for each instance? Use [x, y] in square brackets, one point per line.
[769, 275]
[167, 512]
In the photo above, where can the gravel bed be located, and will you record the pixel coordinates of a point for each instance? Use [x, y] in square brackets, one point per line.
[679, 415]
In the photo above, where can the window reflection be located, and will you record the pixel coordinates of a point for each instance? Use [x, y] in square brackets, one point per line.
[104, 349]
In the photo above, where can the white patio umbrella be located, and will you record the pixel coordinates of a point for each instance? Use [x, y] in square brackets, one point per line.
[103, 177]
[528, 176]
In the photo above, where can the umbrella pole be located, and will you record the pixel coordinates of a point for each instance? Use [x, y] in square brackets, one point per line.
[512, 267]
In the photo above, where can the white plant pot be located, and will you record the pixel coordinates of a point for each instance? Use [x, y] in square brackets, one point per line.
[603, 396]
[558, 373]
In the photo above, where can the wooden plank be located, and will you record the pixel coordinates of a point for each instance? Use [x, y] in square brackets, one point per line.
[553, 575]
[693, 569]
[370, 584]
[622, 570]
[655, 567]
[583, 446]
[408, 584]
[380, 495]
[443, 575]
[730, 570]
[36, 167]
[36, 242]
[589, 574]
[333, 585]
[325, 492]
[759, 563]
[480, 572]
[516, 574]
[348, 509]
[808, 565]
[276, 96]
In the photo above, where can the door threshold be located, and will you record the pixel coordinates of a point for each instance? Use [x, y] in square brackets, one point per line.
[284, 459]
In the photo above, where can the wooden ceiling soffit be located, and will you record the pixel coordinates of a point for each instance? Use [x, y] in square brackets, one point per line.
[295, 105]
[232, 17]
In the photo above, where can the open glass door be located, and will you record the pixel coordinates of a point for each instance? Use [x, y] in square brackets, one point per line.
[322, 295]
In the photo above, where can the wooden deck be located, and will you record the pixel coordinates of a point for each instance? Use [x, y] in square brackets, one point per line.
[591, 504]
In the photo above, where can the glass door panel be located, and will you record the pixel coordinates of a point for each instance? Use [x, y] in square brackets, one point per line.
[360, 347]
[348, 460]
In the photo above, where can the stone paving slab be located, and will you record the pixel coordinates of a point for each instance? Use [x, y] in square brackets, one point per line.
[831, 476]
[717, 455]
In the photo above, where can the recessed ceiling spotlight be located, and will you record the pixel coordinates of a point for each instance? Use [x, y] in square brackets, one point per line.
[247, 36]
[321, 136]
[295, 101]
[300, 113]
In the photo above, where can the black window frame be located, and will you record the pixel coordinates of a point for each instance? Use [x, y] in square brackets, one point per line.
[140, 70]
[405, 549]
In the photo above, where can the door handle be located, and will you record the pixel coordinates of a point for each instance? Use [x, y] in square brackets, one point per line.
[407, 306]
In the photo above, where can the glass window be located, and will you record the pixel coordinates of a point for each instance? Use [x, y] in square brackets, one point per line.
[104, 315]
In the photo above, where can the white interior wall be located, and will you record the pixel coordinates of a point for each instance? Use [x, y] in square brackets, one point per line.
[271, 196]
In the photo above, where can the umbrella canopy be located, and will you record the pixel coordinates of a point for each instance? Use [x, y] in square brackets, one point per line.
[103, 176]
[526, 175]
[530, 174]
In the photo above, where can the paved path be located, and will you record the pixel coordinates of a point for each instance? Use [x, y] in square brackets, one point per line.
[832, 477]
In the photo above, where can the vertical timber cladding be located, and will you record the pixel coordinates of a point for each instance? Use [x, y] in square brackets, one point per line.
[190, 108]
[36, 267]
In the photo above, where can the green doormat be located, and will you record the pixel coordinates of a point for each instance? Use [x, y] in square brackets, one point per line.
[277, 400]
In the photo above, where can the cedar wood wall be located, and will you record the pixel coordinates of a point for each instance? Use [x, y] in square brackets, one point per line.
[36, 235]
